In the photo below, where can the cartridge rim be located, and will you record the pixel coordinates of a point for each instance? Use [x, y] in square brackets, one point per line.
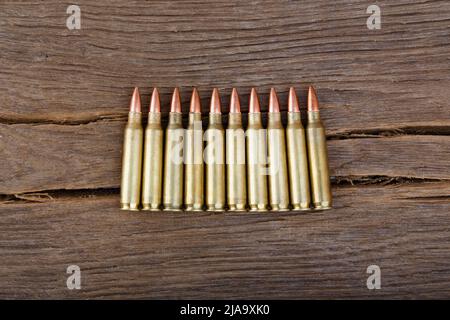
[237, 208]
[258, 208]
[193, 208]
[278, 208]
[150, 207]
[212, 208]
[321, 208]
[172, 209]
[298, 207]
[128, 207]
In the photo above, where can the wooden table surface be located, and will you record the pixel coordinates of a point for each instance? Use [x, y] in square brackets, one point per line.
[385, 102]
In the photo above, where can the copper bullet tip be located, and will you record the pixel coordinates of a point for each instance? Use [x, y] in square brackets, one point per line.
[254, 102]
[235, 105]
[313, 103]
[274, 106]
[135, 104]
[215, 102]
[293, 101]
[195, 102]
[155, 104]
[175, 106]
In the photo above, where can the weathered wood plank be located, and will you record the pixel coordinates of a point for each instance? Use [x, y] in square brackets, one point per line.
[49, 157]
[423, 157]
[79, 83]
[404, 229]
[391, 78]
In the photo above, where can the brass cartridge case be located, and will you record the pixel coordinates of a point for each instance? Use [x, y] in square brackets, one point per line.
[256, 164]
[215, 164]
[235, 155]
[153, 163]
[297, 163]
[318, 162]
[278, 174]
[173, 164]
[130, 190]
[193, 152]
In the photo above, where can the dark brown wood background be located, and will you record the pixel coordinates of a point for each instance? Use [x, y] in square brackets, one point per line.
[385, 102]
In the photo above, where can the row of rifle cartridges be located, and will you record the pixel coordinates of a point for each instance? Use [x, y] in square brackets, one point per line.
[256, 169]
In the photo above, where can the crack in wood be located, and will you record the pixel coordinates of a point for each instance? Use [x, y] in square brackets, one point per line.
[391, 132]
[51, 195]
[338, 181]
[341, 181]
[352, 134]
[63, 122]
[430, 198]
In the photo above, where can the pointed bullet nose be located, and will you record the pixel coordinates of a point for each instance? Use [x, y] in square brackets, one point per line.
[195, 102]
[235, 105]
[215, 102]
[254, 102]
[293, 101]
[313, 103]
[175, 106]
[274, 106]
[155, 104]
[135, 104]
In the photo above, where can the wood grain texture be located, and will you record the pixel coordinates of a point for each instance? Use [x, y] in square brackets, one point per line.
[403, 229]
[384, 100]
[366, 79]
[89, 156]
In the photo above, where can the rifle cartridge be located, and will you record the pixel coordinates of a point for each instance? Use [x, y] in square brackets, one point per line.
[173, 157]
[276, 145]
[130, 189]
[153, 157]
[193, 171]
[297, 156]
[215, 157]
[256, 157]
[235, 155]
[317, 155]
